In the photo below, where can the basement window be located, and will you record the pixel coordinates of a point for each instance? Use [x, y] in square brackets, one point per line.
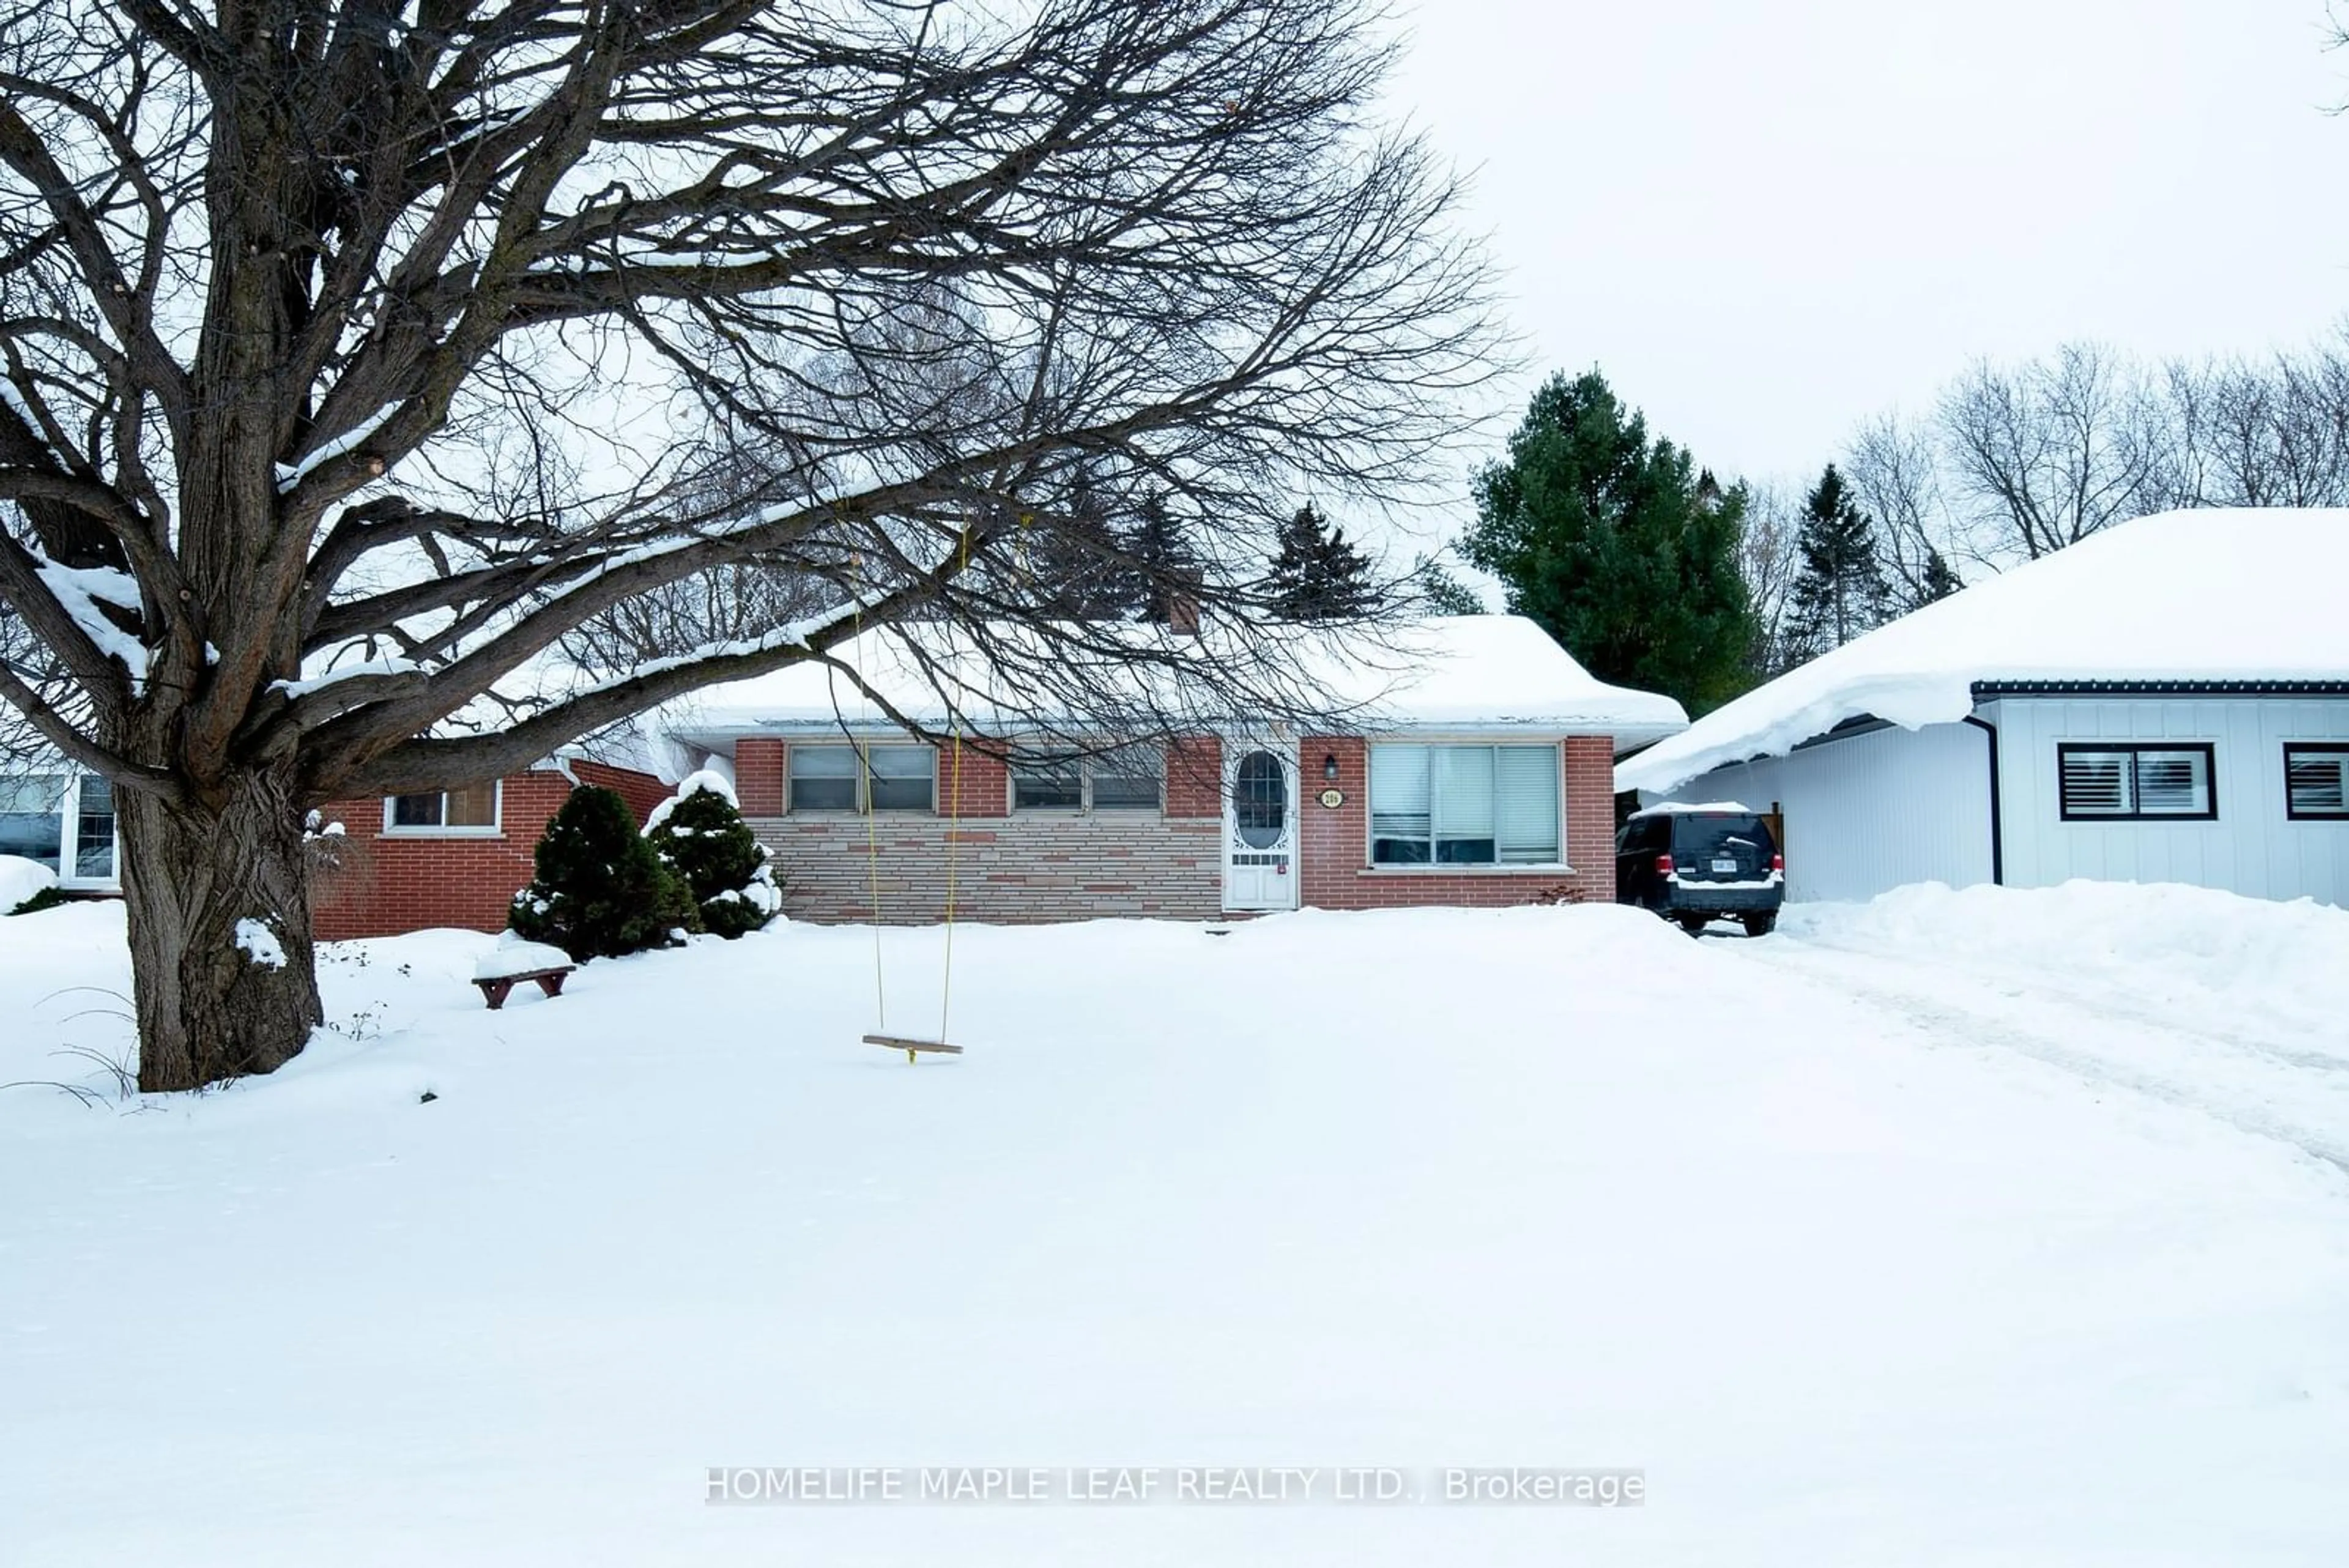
[2316, 781]
[2171, 782]
[472, 811]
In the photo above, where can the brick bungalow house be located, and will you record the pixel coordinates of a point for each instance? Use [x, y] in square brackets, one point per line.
[1476, 769]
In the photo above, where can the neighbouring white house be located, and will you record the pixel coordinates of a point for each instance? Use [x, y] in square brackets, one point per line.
[2165, 701]
[54, 814]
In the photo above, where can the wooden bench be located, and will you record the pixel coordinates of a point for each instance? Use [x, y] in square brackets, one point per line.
[550, 980]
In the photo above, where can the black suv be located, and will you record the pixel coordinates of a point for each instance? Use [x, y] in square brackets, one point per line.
[1699, 863]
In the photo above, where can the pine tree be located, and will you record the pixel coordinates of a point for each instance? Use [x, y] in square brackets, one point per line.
[1443, 593]
[1077, 563]
[1316, 576]
[702, 837]
[601, 889]
[1165, 565]
[1839, 590]
[1938, 582]
[1617, 546]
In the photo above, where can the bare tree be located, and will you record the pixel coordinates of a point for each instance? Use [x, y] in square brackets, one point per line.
[2252, 433]
[354, 354]
[1896, 473]
[2043, 455]
[1766, 559]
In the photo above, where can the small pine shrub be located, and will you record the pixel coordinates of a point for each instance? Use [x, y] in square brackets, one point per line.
[48, 897]
[704, 840]
[601, 889]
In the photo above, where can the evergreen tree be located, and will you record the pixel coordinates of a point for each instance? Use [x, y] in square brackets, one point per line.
[702, 837]
[1165, 565]
[1839, 590]
[1078, 563]
[1443, 593]
[1937, 581]
[601, 889]
[1316, 576]
[1617, 546]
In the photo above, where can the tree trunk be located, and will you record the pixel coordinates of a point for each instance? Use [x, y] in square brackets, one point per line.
[221, 958]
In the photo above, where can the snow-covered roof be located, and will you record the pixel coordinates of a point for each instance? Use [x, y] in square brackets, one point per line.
[1460, 673]
[2220, 595]
[1702, 808]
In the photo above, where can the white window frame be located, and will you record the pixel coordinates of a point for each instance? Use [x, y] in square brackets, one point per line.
[70, 840]
[862, 777]
[496, 828]
[1462, 868]
[69, 835]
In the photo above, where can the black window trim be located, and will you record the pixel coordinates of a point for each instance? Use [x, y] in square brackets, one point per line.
[2208, 749]
[2320, 748]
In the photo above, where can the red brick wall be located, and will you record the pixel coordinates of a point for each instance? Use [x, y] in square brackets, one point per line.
[986, 782]
[1195, 778]
[1333, 845]
[383, 886]
[759, 776]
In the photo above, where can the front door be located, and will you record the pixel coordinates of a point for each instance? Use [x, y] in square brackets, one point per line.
[1260, 828]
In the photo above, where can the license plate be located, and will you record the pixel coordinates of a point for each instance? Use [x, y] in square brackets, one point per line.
[1729, 865]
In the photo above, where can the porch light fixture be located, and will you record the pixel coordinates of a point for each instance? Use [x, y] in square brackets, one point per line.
[1329, 767]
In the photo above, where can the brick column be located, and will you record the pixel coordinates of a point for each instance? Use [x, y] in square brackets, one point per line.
[1195, 777]
[759, 776]
[986, 782]
[1590, 814]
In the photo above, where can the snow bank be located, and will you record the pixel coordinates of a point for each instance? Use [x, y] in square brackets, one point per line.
[21, 879]
[1408, 1188]
[2213, 595]
[2165, 945]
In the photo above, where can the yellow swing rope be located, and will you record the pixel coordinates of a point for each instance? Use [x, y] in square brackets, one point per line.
[872, 833]
[954, 836]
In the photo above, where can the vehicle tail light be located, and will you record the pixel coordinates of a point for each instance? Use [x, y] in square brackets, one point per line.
[1778, 863]
[1664, 864]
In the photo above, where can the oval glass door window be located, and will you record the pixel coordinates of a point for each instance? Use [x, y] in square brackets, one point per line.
[1259, 800]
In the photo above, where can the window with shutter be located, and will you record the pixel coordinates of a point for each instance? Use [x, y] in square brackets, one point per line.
[1524, 806]
[2135, 783]
[2316, 781]
[1400, 805]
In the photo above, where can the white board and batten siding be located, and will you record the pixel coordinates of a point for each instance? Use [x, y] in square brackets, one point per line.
[1873, 810]
[2252, 847]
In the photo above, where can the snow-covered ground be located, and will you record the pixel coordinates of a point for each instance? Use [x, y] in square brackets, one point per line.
[1982, 1227]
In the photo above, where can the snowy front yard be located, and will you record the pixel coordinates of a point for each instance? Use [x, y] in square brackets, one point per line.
[1978, 1228]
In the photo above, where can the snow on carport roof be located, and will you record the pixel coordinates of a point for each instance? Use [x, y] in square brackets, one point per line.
[1459, 672]
[2233, 594]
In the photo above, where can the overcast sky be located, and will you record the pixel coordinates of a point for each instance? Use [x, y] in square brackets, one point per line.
[1767, 221]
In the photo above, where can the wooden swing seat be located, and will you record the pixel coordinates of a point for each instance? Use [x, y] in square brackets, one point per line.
[905, 1043]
